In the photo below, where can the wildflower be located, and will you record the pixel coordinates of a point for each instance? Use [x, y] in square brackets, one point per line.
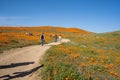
[66, 78]
[48, 79]
[82, 64]
[112, 72]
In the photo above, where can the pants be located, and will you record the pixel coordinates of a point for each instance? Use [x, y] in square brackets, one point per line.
[42, 42]
[55, 39]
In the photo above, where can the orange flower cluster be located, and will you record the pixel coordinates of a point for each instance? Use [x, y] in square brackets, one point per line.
[75, 55]
[114, 73]
[82, 64]
[3, 38]
[109, 66]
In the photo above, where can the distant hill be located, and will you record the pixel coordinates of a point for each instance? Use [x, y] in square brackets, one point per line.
[112, 34]
[12, 37]
[43, 29]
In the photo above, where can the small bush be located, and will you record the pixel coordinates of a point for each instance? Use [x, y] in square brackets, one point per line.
[14, 41]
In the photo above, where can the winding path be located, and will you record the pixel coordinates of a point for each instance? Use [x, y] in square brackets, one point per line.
[22, 63]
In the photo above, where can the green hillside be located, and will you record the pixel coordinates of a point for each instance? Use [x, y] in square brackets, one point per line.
[86, 57]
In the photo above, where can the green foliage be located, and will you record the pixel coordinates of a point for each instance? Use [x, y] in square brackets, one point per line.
[86, 57]
[14, 41]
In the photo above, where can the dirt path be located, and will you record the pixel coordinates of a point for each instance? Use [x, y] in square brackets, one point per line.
[21, 63]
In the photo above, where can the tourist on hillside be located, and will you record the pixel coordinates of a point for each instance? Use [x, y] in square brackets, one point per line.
[60, 38]
[42, 39]
[56, 37]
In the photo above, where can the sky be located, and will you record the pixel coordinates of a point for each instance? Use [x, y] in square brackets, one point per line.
[92, 15]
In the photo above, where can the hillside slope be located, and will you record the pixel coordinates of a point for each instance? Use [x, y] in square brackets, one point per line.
[85, 57]
[12, 37]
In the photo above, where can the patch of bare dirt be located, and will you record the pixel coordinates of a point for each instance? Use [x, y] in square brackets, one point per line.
[23, 63]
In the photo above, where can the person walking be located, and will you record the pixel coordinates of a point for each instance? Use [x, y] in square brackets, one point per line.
[60, 38]
[56, 37]
[42, 39]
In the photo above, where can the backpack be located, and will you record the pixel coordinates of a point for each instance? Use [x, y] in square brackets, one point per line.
[42, 36]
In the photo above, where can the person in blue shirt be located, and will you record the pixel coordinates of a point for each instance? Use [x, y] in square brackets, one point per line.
[42, 38]
[56, 37]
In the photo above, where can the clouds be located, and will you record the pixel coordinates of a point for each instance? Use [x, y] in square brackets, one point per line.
[12, 17]
[6, 21]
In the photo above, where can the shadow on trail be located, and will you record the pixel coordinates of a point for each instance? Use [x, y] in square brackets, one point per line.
[21, 74]
[15, 65]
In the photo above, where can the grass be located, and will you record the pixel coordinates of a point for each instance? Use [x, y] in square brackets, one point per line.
[14, 37]
[86, 57]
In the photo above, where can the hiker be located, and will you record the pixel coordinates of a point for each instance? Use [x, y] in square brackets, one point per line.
[42, 39]
[56, 37]
[60, 38]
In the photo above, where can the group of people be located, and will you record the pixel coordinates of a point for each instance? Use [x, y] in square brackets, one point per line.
[56, 38]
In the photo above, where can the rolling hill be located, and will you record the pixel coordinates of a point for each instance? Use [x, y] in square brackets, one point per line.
[12, 37]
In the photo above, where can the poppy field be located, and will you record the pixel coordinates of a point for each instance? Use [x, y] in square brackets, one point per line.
[18, 37]
[85, 57]
[88, 56]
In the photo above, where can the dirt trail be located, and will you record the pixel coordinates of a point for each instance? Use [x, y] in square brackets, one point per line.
[21, 63]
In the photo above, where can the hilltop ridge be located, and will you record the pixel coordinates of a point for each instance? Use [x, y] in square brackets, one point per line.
[44, 29]
[20, 36]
